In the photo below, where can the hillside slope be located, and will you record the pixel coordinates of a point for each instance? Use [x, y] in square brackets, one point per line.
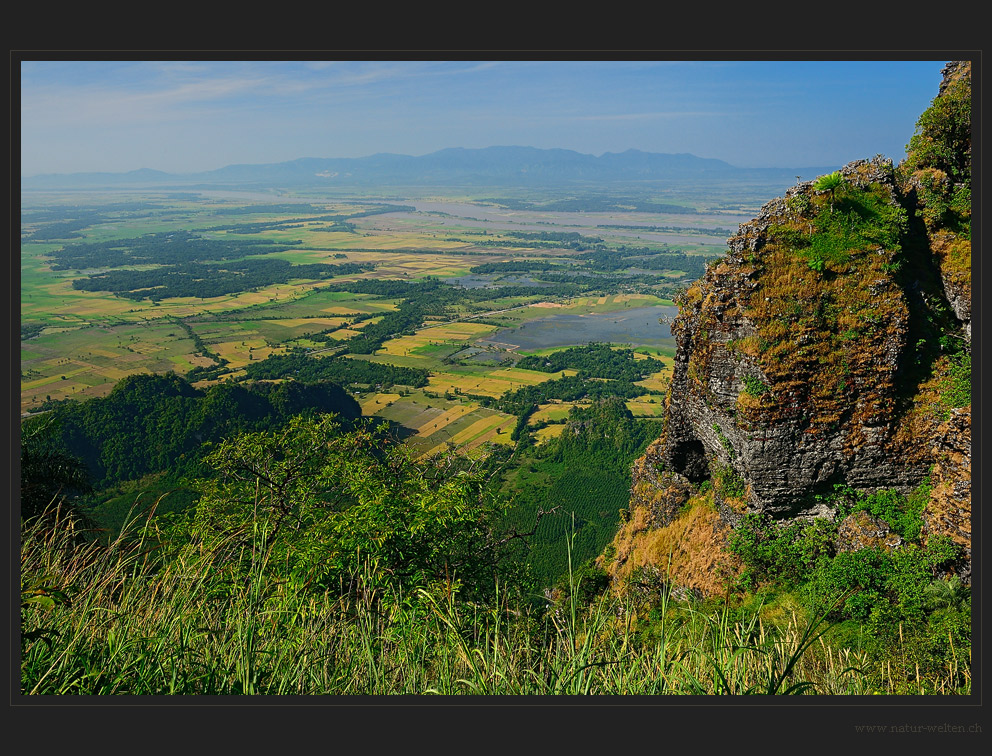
[829, 349]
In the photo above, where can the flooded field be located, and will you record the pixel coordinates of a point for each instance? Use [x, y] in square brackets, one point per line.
[475, 354]
[637, 326]
[481, 280]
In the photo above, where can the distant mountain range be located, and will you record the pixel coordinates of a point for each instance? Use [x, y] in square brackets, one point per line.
[491, 166]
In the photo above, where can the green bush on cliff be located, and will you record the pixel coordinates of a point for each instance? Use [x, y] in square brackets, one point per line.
[783, 552]
[755, 386]
[938, 158]
[943, 134]
[865, 218]
[728, 482]
[858, 219]
[903, 514]
[956, 386]
[894, 585]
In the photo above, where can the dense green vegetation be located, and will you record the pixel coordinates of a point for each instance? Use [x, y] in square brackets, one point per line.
[319, 500]
[49, 471]
[65, 222]
[854, 220]
[595, 361]
[567, 389]
[895, 595]
[228, 618]
[151, 423]
[581, 479]
[517, 266]
[601, 258]
[956, 386]
[939, 152]
[164, 248]
[320, 560]
[302, 367]
[204, 281]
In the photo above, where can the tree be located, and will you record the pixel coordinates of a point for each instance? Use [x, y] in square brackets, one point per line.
[323, 505]
[829, 184]
[49, 473]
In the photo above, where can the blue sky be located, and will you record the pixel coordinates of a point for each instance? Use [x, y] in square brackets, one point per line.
[187, 116]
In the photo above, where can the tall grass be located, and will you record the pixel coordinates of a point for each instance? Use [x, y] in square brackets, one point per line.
[125, 619]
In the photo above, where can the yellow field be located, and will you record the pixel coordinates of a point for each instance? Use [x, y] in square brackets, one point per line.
[548, 432]
[493, 384]
[497, 434]
[61, 299]
[454, 331]
[377, 402]
[446, 334]
[402, 265]
[496, 429]
[649, 406]
[350, 308]
[658, 381]
[342, 333]
[104, 353]
[611, 301]
[75, 367]
[645, 298]
[236, 352]
[477, 428]
[51, 379]
[555, 411]
[319, 323]
[431, 425]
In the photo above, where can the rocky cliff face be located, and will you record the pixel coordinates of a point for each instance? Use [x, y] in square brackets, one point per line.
[812, 353]
[786, 364]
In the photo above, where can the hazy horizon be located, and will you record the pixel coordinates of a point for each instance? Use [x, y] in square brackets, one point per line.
[194, 116]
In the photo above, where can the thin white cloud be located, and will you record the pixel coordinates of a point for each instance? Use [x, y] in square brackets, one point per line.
[654, 116]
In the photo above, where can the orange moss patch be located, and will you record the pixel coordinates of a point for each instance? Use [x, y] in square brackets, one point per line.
[921, 423]
[820, 338]
[690, 550]
[948, 512]
[953, 254]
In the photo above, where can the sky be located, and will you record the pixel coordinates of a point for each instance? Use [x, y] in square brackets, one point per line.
[191, 116]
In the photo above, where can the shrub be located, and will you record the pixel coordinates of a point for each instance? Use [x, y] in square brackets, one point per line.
[943, 134]
[829, 182]
[956, 387]
[728, 482]
[783, 552]
[755, 386]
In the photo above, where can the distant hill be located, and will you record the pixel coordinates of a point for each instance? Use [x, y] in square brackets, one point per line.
[511, 166]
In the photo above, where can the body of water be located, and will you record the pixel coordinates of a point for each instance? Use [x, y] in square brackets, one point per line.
[638, 326]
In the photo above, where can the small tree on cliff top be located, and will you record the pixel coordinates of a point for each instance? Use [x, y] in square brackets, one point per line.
[829, 184]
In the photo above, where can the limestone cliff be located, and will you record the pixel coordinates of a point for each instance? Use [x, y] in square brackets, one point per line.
[818, 351]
